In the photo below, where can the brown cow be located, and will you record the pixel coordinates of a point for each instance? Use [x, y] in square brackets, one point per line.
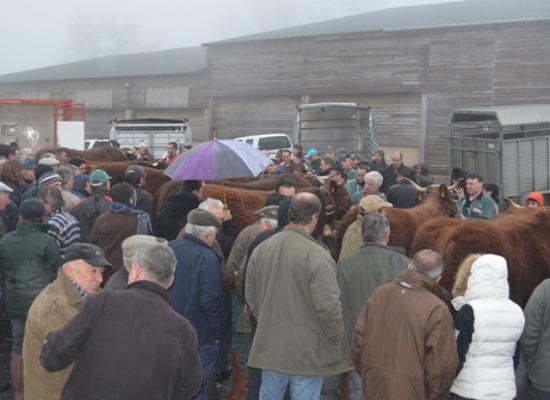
[100, 154]
[405, 221]
[243, 203]
[269, 182]
[520, 235]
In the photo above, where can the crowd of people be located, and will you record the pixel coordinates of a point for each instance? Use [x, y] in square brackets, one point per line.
[108, 300]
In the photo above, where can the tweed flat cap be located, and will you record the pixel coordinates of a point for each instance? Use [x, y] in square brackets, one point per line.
[372, 203]
[267, 212]
[49, 161]
[201, 217]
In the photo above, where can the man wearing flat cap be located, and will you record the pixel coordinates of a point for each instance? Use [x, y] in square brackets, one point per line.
[29, 260]
[129, 344]
[352, 240]
[197, 293]
[80, 277]
[130, 247]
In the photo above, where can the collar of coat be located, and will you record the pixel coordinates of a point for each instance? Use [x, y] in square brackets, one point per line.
[396, 249]
[416, 281]
[199, 241]
[67, 286]
[152, 287]
[30, 226]
[290, 228]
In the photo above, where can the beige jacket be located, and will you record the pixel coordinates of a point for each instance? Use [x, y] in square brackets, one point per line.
[51, 310]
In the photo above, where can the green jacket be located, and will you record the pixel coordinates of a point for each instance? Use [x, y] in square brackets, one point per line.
[483, 207]
[358, 275]
[292, 291]
[29, 260]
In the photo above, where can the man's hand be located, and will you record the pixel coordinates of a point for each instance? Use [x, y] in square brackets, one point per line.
[227, 215]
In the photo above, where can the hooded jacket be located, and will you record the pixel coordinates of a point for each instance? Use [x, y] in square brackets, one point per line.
[87, 211]
[488, 325]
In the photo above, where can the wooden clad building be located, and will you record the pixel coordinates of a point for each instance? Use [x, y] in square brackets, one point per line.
[411, 65]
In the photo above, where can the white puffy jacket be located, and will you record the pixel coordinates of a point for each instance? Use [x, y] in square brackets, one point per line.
[488, 371]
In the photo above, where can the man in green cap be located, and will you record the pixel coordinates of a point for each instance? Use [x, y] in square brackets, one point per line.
[87, 211]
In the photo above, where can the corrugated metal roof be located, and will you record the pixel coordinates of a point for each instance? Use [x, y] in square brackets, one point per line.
[458, 13]
[167, 62]
[524, 114]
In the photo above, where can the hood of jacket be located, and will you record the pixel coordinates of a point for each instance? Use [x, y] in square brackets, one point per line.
[488, 279]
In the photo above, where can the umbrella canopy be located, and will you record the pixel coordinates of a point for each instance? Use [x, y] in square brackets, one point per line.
[218, 159]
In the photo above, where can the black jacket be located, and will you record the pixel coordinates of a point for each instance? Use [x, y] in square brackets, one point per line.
[173, 215]
[390, 176]
[144, 201]
[87, 211]
[126, 344]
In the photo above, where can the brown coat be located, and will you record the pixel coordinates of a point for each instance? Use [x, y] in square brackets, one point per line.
[51, 310]
[403, 343]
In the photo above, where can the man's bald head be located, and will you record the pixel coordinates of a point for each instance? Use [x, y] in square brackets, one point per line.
[427, 262]
[397, 159]
[303, 208]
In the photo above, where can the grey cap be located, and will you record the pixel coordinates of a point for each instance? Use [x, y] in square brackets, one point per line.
[131, 245]
[49, 161]
[270, 212]
[202, 217]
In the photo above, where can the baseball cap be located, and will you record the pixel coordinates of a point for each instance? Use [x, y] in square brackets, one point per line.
[135, 172]
[88, 252]
[131, 245]
[48, 178]
[5, 188]
[202, 217]
[99, 177]
[270, 212]
[311, 152]
[49, 161]
[371, 204]
[28, 163]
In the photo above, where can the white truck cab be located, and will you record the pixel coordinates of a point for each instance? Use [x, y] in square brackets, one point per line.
[272, 142]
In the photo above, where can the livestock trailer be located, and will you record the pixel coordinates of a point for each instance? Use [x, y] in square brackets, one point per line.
[507, 145]
[339, 125]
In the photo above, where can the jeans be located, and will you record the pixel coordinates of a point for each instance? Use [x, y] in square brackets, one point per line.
[540, 395]
[208, 355]
[17, 333]
[301, 387]
[355, 386]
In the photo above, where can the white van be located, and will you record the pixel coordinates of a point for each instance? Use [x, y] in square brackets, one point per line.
[272, 142]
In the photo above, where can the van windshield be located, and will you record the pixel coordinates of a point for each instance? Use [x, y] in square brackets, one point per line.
[274, 143]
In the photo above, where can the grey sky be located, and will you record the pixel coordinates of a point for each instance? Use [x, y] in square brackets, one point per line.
[36, 33]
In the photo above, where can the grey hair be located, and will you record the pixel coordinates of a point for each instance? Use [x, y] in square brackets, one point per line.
[427, 262]
[210, 202]
[158, 263]
[272, 222]
[376, 177]
[51, 195]
[199, 231]
[374, 228]
[66, 173]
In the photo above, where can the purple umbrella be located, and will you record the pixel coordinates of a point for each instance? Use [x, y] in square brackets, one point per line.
[218, 159]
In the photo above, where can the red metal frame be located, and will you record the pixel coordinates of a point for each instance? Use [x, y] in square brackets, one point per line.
[63, 110]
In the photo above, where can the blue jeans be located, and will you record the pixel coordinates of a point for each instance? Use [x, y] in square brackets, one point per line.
[301, 387]
[208, 355]
[17, 333]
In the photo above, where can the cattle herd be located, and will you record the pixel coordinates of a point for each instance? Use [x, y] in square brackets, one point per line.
[521, 235]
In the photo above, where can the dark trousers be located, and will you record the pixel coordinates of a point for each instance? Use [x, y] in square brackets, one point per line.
[208, 354]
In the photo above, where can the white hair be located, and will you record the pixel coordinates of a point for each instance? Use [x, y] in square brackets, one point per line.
[211, 203]
[199, 231]
[375, 177]
[272, 222]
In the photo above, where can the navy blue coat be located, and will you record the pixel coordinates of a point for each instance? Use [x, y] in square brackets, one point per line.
[197, 291]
